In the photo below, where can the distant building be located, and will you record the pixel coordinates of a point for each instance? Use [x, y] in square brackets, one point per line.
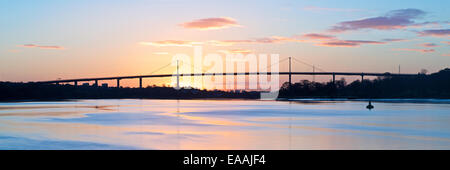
[105, 85]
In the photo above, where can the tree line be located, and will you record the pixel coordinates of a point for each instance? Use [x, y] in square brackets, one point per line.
[435, 85]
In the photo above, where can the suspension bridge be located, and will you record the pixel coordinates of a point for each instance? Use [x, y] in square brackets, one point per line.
[290, 73]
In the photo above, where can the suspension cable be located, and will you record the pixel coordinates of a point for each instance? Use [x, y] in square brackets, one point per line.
[159, 69]
[305, 63]
[265, 69]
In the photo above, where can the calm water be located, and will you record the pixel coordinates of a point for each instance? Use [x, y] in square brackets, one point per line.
[224, 124]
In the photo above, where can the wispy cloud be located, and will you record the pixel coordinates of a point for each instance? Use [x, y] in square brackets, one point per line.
[263, 40]
[435, 33]
[171, 43]
[446, 55]
[318, 36]
[333, 41]
[348, 43]
[396, 19]
[211, 23]
[318, 9]
[426, 24]
[276, 39]
[394, 39]
[42, 46]
[415, 50]
[229, 42]
[429, 45]
[319, 39]
[182, 43]
[236, 51]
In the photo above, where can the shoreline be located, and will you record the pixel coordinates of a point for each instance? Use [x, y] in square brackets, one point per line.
[305, 99]
[377, 100]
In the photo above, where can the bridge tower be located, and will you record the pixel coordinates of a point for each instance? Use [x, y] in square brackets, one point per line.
[290, 73]
[178, 76]
[314, 75]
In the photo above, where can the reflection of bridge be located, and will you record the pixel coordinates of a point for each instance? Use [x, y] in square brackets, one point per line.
[290, 73]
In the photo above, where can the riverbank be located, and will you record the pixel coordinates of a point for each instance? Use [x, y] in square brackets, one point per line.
[10, 91]
[380, 100]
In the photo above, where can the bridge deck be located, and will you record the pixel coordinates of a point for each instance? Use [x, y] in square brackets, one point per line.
[228, 74]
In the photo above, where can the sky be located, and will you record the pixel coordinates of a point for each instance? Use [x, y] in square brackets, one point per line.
[51, 39]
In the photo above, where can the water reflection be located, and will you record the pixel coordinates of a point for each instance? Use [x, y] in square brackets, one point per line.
[223, 124]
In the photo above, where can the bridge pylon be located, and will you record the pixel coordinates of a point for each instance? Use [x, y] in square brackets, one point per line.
[178, 76]
[290, 72]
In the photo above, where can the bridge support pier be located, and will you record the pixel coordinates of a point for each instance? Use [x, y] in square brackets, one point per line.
[118, 83]
[140, 82]
[75, 83]
[96, 83]
[362, 78]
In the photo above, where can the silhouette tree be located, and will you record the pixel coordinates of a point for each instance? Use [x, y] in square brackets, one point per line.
[436, 85]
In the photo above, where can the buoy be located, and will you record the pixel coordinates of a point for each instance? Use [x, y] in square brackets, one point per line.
[370, 106]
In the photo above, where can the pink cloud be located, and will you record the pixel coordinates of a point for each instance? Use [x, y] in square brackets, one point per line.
[275, 39]
[396, 19]
[211, 23]
[416, 50]
[29, 45]
[435, 33]
[42, 46]
[318, 36]
[446, 55]
[50, 47]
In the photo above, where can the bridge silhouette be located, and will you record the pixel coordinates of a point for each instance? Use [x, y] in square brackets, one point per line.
[289, 73]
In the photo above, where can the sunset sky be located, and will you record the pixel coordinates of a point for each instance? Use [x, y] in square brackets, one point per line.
[50, 39]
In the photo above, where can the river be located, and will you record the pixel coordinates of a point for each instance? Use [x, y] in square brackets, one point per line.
[225, 124]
